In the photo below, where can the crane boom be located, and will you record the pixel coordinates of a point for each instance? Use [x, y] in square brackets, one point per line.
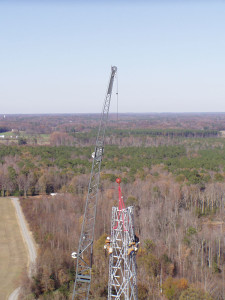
[85, 250]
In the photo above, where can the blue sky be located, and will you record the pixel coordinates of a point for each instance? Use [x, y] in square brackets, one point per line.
[55, 56]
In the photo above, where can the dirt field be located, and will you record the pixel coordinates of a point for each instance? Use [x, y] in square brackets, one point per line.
[13, 255]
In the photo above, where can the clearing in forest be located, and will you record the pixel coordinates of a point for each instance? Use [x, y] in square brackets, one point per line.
[13, 255]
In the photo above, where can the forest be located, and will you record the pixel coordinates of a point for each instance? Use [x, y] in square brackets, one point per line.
[173, 172]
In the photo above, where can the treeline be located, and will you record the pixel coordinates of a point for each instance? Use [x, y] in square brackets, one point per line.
[166, 132]
[86, 137]
[69, 136]
[48, 123]
[44, 169]
[4, 129]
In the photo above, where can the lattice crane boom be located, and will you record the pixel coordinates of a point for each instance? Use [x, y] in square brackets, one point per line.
[85, 249]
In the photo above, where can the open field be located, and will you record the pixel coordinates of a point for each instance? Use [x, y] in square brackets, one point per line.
[13, 256]
[32, 139]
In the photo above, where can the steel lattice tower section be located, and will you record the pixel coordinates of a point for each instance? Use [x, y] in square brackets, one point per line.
[122, 254]
[85, 250]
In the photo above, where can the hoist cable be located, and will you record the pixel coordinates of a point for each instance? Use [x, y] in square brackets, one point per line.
[117, 99]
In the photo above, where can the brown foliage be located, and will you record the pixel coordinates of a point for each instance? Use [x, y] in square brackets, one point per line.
[174, 240]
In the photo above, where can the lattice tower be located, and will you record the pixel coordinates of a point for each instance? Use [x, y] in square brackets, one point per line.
[122, 254]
